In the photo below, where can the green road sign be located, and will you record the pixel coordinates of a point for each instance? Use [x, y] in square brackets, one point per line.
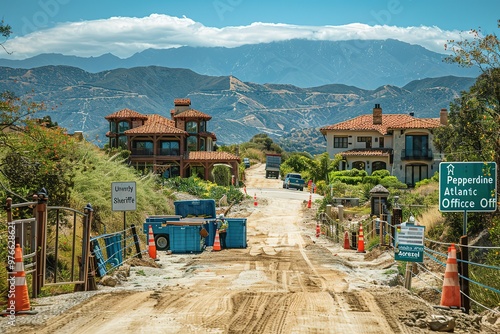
[467, 186]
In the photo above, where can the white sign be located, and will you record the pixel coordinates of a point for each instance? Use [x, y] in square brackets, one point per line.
[123, 196]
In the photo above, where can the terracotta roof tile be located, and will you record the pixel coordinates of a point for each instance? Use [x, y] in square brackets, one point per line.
[151, 128]
[191, 113]
[213, 156]
[389, 121]
[155, 118]
[126, 113]
[367, 152]
[182, 102]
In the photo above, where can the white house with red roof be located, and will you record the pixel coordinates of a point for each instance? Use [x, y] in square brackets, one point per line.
[177, 146]
[400, 143]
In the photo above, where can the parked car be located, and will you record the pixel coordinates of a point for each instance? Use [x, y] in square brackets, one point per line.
[294, 180]
[246, 162]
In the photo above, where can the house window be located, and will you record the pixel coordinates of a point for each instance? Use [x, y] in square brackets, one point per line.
[172, 171]
[416, 146]
[192, 143]
[123, 126]
[122, 141]
[378, 165]
[112, 127]
[142, 147]
[360, 165]
[381, 142]
[202, 144]
[339, 142]
[203, 126]
[415, 173]
[192, 127]
[169, 148]
[366, 140]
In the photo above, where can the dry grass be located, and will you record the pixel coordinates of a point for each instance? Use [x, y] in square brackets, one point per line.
[431, 218]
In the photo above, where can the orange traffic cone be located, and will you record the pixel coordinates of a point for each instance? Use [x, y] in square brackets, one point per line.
[19, 301]
[216, 246]
[451, 288]
[361, 240]
[318, 230]
[151, 243]
[254, 199]
[346, 240]
[309, 203]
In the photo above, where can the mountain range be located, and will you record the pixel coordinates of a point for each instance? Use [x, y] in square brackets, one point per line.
[302, 63]
[79, 100]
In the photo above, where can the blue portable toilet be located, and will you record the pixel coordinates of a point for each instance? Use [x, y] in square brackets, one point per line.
[236, 233]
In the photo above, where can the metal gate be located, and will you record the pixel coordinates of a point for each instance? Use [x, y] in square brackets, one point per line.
[64, 257]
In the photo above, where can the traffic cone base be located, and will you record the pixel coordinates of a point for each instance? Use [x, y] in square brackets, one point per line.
[451, 286]
[361, 240]
[151, 243]
[216, 246]
[309, 203]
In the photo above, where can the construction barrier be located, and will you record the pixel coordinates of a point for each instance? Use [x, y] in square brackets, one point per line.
[451, 288]
[216, 246]
[151, 243]
[346, 240]
[19, 302]
[361, 240]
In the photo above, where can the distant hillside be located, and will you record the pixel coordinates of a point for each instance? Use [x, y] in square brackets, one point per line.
[79, 100]
[302, 63]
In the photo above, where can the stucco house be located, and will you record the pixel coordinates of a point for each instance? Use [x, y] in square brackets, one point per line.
[177, 146]
[400, 143]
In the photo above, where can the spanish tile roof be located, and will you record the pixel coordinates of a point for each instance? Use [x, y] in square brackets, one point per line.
[126, 113]
[209, 134]
[213, 156]
[155, 128]
[182, 102]
[155, 118]
[367, 152]
[389, 121]
[191, 113]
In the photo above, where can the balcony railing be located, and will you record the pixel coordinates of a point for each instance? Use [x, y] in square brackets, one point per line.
[424, 154]
[169, 152]
[142, 151]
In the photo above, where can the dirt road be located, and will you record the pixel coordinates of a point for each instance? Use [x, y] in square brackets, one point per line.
[285, 281]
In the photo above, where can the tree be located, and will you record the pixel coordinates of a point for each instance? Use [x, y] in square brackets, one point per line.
[473, 130]
[5, 30]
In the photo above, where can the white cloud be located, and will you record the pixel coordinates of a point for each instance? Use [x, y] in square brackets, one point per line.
[124, 36]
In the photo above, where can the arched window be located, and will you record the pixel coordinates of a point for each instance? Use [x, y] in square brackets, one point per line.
[359, 165]
[378, 165]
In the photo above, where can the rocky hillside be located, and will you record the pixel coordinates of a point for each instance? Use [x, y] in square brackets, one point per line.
[79, 100]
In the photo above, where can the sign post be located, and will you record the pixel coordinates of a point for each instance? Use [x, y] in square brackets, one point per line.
[123, 198]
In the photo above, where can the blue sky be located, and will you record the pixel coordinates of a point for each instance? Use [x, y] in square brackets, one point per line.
[124, 27]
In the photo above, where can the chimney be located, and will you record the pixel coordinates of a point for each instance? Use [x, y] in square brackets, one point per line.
[443, 116]
[377, 114]
[181, 105]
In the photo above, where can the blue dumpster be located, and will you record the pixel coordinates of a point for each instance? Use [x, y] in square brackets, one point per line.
[202, 208]
[186, 238]
[236, 236]
[211, 227]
